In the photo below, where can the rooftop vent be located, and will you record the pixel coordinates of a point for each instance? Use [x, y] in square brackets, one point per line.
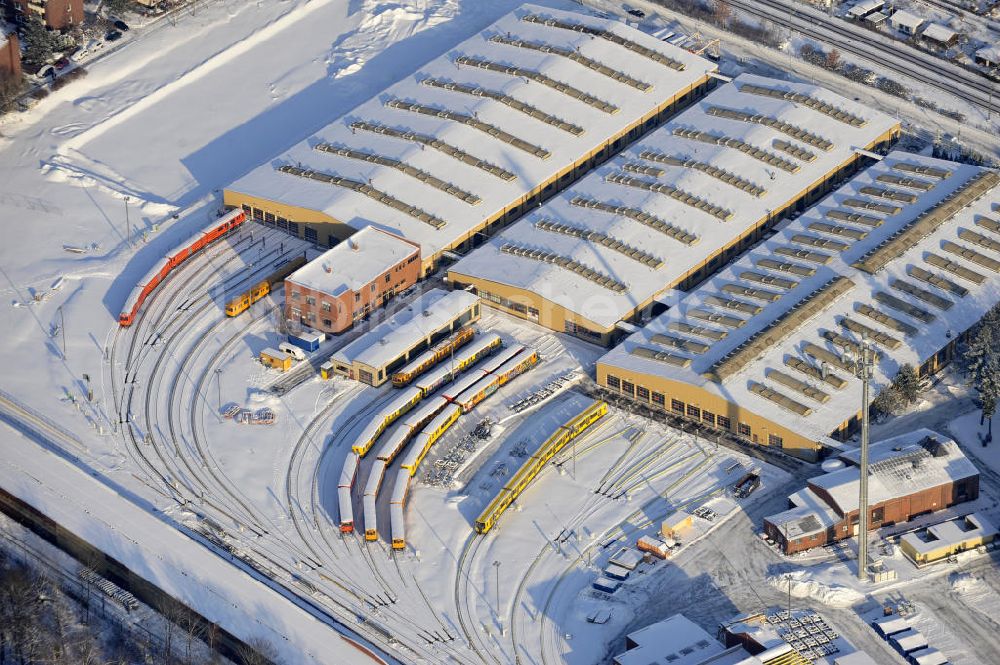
[538, 77]
[436, 144]
[610, 36]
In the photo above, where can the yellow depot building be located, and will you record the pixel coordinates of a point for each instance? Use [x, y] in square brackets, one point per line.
[904, 254]
[478, 136]
[943, 540]
[675, 207]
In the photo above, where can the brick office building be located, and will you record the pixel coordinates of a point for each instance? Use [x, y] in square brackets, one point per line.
[10, 54]
[55, 14]
[351, 280]
[909, 475]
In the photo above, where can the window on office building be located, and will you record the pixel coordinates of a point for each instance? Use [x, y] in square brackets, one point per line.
[628, 388]
[642, 393]
[658, 399]
[708, 417]
[613, 382]
[744, 430]
[724, 423]
[677, 406]
[774, 440]
[693, 412]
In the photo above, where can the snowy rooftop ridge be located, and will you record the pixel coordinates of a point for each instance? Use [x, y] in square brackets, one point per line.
[679, 195]
[388, 340]
[355, 262]
[480, 127]
[928, 287]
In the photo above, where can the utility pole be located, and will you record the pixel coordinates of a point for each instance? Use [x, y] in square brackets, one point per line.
[62, 330]
[863, 367]
[128, 226]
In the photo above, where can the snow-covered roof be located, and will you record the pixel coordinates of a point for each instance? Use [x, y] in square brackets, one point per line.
[952, 532]
[810, 516]
[865, 7]
[354, 263]
[613, 243]
[928, 656]
[891, 625]
[677, 636]
[528, 98]
[939, 33]
[990, 53]
[901, 466]
[903, 18]
[909, 640]
[867, 259]
[387, 341]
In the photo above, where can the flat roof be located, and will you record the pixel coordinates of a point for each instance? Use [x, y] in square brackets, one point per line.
[387, 341]
[952, 532]
[761, 331]
[518, 116]
[677, 636]
[900, 466]
[354, 263]
[642, 221]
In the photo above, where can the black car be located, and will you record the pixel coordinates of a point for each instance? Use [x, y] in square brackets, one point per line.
[121, 25]
[638, 13]
[113, 35]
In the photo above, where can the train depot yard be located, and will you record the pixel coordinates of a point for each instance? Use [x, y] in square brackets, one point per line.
[500, 333]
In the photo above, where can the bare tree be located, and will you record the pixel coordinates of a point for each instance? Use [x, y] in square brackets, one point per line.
[833, 59]
[723, 12]
[258, 651]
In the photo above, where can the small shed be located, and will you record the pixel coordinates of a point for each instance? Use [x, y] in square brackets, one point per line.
[675, 523]
[928, 656]
[606, 585]
[988, 56]
[276, 359]
[940, 35]
[906, 22]
[654, 546]
[877, 19]
[890, 625]
[627, 558]
[908, 641]
[616, 572]
[864, 8]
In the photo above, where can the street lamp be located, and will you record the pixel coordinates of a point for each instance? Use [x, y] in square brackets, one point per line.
[128, 226]
[863, 367]
[496, 565]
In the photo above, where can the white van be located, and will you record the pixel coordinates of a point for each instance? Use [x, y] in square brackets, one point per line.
[292, 350]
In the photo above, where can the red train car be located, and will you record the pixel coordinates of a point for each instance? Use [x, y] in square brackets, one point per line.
[174, 258]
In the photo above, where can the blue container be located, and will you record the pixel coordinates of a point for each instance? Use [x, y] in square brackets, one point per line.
[308, 342]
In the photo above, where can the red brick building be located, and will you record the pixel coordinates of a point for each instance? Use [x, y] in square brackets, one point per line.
[351, 280]
[10, 55]
[56, 14]
[909, 475]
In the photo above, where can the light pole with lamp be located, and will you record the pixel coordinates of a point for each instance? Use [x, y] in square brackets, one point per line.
[496, 565]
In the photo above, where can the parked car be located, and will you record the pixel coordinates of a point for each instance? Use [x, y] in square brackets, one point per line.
[113, 35]
[638, 13]
[46, 71]
[121, 25]
[62, 63]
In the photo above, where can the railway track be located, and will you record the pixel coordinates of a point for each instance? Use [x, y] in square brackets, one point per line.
[972, 88]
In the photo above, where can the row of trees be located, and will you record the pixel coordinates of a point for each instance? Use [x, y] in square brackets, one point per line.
[42, 623]
[982, 361]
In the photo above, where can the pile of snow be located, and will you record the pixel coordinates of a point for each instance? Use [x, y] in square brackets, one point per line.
[802, 586]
